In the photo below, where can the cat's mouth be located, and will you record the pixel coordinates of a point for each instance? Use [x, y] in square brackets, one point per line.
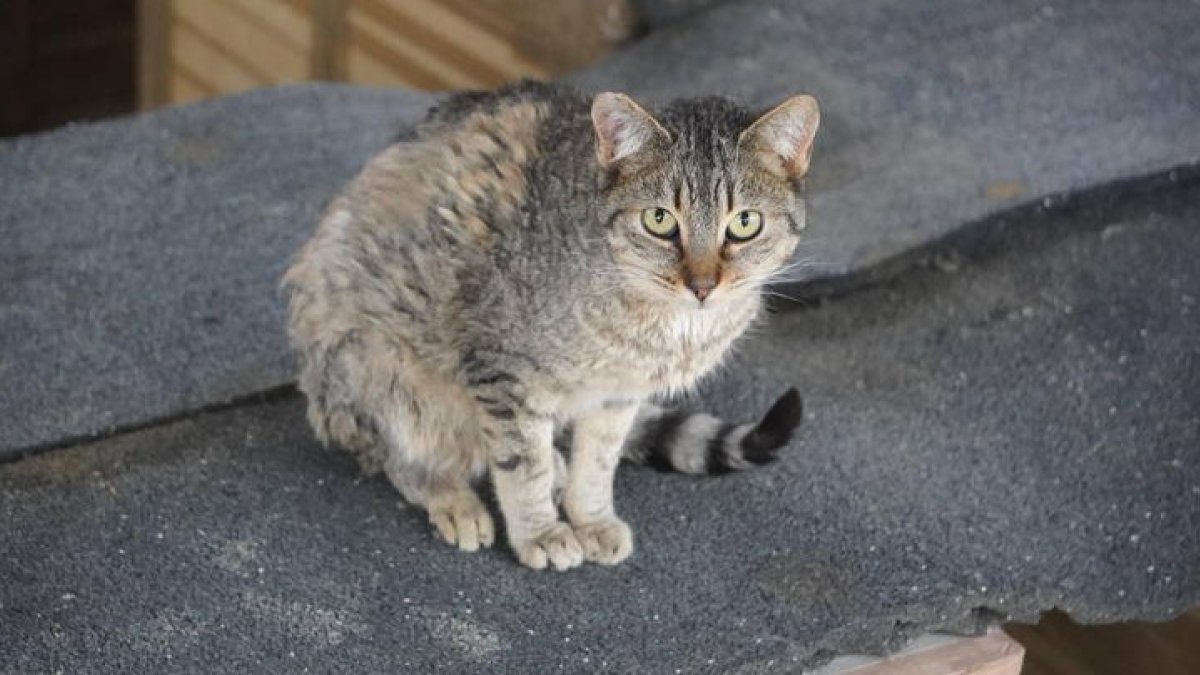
[699, 301]
[677, 292]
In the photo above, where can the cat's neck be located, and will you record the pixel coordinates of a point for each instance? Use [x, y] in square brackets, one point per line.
[673, 324]
[653, 346]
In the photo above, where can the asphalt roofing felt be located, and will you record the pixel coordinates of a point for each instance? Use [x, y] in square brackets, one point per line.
[1011, 426]
[141, 261]
[1010, 429]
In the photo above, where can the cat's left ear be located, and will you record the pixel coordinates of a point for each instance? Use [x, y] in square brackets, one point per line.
[783, 137]
[623, 128]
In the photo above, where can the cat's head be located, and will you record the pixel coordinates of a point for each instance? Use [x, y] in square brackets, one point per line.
[705, 202]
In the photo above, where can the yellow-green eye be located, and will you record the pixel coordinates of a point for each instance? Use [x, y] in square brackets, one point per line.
[744, 225]
[660, 223]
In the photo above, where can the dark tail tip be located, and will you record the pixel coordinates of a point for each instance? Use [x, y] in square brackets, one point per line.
[775, 429]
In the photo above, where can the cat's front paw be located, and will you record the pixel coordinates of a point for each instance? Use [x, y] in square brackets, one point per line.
[607, 541]
[556, 546]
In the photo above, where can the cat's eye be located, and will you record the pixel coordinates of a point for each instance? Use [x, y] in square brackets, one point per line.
[744, 225]
[660, 222]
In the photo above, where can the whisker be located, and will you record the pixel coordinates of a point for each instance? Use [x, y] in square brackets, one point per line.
[785, 296]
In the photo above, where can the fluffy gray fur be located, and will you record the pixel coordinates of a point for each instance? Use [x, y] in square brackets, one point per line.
[492, 283]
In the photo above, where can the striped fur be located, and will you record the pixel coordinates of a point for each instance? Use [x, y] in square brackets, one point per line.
[490, 279]
[701, 444]
[696, 443]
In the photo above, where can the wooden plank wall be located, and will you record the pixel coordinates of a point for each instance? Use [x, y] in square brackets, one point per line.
[192, 49]
[201, 48]
[427, 45]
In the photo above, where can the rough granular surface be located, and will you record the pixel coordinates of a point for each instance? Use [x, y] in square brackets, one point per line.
[1009, 428]
[1002, 394]
[141, 257]
[937, 114]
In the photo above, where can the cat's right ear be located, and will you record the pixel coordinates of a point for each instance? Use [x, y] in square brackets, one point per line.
[623, 128]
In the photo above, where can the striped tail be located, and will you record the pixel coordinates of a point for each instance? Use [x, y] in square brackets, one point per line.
[697, 443]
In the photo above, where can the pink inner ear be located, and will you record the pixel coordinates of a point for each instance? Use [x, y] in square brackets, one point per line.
[622, 128]
[785, 135]
[788, 138]
[620, 135]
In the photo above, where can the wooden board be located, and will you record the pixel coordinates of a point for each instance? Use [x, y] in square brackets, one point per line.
[1057, 645]
[993, 654]
[197, 48]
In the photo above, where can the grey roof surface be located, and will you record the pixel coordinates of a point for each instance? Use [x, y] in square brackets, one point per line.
[141, 257]
[1009, 427]
[936, 114]
[659, 13]
[138, 277]
[1012, 428]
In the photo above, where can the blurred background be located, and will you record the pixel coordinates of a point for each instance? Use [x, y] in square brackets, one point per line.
[68, 60]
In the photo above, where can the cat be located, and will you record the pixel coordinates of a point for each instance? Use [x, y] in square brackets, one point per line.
[534, 264]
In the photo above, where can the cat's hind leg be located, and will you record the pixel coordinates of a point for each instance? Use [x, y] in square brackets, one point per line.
[433, 463]
[455, 510]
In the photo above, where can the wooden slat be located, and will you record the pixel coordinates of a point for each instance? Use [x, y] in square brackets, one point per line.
[283, 19]
[428, 44]
[184, 89]
[432, 16]
[328, 21]
[386, 64]
[363, 69]
[204, 58]
[197, 80]
[453, 55]
[559, 36]
[153, 52]
[496, 17]
[409, 59]
[259, 52]
[992, 654]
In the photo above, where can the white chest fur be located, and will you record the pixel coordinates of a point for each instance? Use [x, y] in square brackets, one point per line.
[665, 352]
[697, 341]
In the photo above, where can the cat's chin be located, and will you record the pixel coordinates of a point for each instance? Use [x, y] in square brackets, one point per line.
[718, 300]
[713, 303]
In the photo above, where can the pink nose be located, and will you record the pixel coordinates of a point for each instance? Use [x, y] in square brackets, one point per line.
[702, 286]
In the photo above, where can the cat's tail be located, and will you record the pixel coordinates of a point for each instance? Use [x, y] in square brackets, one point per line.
[698, 443]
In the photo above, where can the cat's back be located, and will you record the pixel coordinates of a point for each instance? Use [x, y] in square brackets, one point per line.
[426, 215]
[462, 179]
[537, 101]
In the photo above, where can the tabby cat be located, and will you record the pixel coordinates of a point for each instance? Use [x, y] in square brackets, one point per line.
[530, 267]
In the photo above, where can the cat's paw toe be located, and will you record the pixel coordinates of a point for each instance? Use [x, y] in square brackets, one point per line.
[556, 547]
[608, 541]
[463, 521]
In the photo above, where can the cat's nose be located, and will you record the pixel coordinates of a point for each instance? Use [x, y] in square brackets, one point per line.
[701, 286]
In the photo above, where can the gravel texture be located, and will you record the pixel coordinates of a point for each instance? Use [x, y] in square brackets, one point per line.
[141, 260]
[1008, 428]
